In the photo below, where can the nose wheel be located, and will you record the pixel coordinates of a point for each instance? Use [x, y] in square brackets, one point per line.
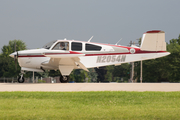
[21, 78]
[64, 79]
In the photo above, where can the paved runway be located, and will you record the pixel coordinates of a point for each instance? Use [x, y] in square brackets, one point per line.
[90, 87]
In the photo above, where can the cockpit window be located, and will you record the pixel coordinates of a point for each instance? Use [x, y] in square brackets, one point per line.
[76, 46]
[48, 45]
[61, 46]
[91, 47]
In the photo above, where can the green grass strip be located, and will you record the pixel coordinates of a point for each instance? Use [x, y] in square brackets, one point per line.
[90, 105]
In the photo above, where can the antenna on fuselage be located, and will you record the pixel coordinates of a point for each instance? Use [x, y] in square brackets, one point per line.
[118, 41]
[90, 39]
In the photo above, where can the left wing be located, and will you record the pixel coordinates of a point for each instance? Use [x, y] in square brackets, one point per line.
[65, 61]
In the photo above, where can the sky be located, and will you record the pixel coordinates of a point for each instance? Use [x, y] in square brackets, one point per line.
[37, 22]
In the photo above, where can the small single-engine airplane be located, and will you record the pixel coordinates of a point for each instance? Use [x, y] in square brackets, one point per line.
[67, 55]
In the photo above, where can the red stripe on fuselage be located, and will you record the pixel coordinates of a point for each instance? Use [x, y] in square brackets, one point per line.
[137, 52]
[98, 54]
[56, 53]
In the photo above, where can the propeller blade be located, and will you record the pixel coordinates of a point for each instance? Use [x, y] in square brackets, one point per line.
[16, 60]
[16, 64]
[15, 46]
[15, 56]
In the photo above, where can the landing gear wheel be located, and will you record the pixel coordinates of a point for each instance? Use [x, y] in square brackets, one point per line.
[64, 79]
[20, 79]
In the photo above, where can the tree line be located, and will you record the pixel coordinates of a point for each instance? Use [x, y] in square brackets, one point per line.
[165, 69]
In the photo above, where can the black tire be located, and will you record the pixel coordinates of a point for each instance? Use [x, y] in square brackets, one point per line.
[20, 80]
[64, 79]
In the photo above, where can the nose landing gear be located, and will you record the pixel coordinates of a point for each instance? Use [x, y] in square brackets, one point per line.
[21, 78]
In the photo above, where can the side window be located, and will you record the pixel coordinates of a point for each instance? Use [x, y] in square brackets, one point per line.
[75, 46]
[91, 47]
[61, 46]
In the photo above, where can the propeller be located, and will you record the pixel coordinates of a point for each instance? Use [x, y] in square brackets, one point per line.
[15, 56]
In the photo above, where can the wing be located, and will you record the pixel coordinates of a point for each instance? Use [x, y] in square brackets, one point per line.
[65, 61]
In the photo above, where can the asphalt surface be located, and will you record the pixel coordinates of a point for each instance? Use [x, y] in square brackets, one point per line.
[62, 87]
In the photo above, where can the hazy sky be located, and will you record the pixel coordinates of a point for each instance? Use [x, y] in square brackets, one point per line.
[38, 22]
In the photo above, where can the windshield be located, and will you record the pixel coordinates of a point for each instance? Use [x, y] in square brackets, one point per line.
[48, 45]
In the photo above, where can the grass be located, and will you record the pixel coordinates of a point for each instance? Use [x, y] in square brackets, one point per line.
[89, 105]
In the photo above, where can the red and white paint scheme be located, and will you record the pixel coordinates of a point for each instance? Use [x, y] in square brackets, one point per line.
[66, 55]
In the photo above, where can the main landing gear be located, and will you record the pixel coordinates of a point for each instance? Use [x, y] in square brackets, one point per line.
[21, 78]
[64, 79]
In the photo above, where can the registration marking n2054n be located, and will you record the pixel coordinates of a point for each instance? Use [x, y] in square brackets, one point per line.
[111, 58]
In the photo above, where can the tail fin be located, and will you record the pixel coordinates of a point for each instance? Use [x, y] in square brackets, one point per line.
[153, 41]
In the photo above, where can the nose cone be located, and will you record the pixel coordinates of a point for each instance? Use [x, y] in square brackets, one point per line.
[13, 54]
